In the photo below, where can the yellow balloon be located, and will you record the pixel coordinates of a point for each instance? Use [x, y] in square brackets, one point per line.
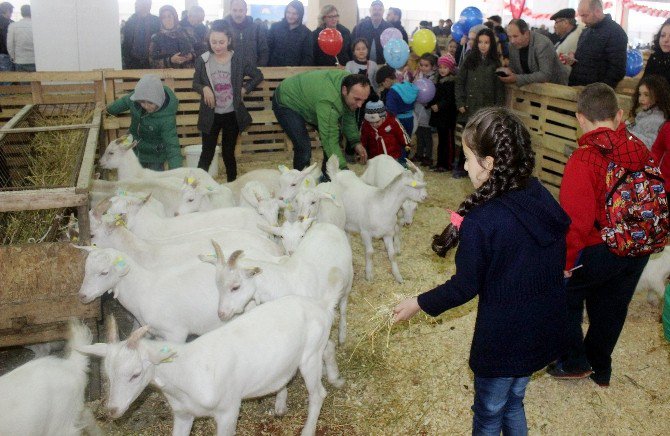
[423, 41]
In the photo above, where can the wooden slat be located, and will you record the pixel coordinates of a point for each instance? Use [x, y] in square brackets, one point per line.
[86, 169]
[42, 199]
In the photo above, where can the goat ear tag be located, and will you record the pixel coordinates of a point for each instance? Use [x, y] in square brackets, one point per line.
[120, 263]
[210, 188]
[413, 183]
[190, 180]
[282, 168]
[307, 183]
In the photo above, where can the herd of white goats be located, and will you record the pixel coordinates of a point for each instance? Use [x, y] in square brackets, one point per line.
[262, 304]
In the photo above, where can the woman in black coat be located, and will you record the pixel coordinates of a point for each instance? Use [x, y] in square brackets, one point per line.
[659, 61]
[330, 18]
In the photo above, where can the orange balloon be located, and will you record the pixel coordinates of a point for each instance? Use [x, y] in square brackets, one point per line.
[330, 41]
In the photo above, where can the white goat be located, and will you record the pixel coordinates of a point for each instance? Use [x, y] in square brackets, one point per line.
[148, 225]
[247, 358]
[256, 196]
[304, 273]
[176, 301]
[268, 177]
[291, 181]
[654, 277]
[46, 395]
[373, 211]
[322, 203]
[379, 172]
[114, 234]
[165, 190]
[196, 197]
[119, 155]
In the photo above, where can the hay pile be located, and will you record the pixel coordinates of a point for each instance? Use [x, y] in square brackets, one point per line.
[53, 161]
[414, 378]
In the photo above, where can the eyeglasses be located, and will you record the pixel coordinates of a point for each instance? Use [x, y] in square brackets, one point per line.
[332, 16]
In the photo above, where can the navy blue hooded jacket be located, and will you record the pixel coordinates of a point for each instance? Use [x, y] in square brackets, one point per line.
[511, 253]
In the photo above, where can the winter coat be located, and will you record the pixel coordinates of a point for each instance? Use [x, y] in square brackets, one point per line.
[478, 88]
[400, 102]
[250, 40]
[198, 35]
[317, 97]
[164, 45]
[445, 99]
[156, 132]
[647, 124]
[137, 35]
[403, 32]
[660, 150]
[659, 64]
[601, 54]
[324, 60]
[568, 44]
[522, 307]
[290, 47]
[365, 29]
[239, 68]
[583, 187]
[389, 134]
[542, 61]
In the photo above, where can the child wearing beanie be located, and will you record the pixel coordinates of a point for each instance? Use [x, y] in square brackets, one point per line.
[444, 112]
[382, 133]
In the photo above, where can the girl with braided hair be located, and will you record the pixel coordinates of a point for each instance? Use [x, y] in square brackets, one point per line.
[511, 253]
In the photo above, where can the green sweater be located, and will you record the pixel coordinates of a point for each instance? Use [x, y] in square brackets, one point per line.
[317, 97]
[155, 132]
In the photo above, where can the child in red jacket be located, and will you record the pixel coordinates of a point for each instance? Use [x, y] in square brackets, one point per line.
[382, 133]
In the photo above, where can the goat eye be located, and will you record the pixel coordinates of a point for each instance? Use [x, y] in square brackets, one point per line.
[235, 288]
[314, 202]
[103, 273]
[190, 200]
[134, 376]
[293, 184]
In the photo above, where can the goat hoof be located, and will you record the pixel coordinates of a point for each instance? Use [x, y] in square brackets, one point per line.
[338, 382]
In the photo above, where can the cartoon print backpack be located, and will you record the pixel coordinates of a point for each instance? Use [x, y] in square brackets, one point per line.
[637, 211]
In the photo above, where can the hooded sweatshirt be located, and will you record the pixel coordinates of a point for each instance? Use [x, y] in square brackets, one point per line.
[647, 124]
[290, 47]
[522, 307]
[583, 188]
[400, 102]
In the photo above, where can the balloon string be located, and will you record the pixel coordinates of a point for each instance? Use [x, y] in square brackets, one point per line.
[337, 61]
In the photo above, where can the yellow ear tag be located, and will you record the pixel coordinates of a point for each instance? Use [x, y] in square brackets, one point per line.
[413, 183]
[307, 182]
[119, 262]
[190, 180]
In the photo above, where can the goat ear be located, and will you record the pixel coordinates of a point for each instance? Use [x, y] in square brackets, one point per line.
[99, 349]
[307, 223]
[417, 185]
[309, 169]
[163, 354]
[250, 272]
[250, 198]
[283, 169]
[146, 199]
[207, 258]
[112, 330]
[269, 229]
[219, 253]
[131, 145]
[134, 339]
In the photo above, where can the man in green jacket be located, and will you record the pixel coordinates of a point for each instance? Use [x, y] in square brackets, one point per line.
[153, 110]
[326, 99]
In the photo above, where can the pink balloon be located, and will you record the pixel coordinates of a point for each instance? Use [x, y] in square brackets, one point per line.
[389, 34]
[426, 90]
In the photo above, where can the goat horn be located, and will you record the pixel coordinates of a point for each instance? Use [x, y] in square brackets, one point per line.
[219, 252]
[233, 257]
[135, 336]
[112, 330]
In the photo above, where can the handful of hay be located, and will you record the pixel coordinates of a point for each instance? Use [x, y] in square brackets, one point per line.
[381, 323]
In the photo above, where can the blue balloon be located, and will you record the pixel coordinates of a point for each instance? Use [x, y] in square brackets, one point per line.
[471, 16]
[634, 62]
[458, 31]
[396, 53]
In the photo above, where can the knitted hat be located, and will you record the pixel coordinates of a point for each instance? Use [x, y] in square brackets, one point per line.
[375, 111]
[448, 61]
[149, 88]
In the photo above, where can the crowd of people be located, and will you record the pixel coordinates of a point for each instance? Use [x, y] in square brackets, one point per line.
[529, 312]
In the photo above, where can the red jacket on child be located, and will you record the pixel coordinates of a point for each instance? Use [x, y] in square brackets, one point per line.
[660, 150]
[389, 134]
[583, 188]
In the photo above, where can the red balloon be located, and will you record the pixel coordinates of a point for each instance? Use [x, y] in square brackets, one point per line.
[330, 41]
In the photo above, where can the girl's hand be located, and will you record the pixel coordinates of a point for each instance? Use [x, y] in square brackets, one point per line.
[177, 60]
[462, 109]
[406, 309]
[434, 108]
[208, 96]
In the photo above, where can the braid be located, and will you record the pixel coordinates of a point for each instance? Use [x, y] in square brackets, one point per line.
[498, 133]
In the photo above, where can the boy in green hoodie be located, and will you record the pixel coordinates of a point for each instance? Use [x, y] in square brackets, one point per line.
[153, 110]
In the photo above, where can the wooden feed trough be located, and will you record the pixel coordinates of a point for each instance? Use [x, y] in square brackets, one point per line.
[40, 276]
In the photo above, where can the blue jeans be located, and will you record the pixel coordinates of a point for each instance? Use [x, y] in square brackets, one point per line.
[294, 125]
[499, 406]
